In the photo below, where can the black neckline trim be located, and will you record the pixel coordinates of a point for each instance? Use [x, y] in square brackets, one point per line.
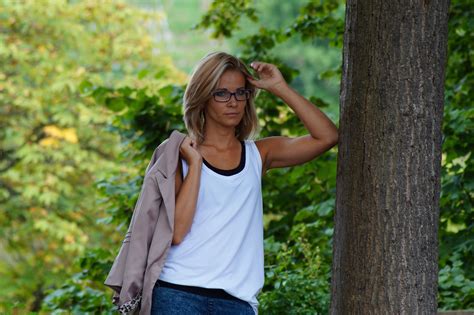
[233, 171]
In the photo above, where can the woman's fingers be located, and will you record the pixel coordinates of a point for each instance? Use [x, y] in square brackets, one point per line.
[263, 67]
[257, 65]
[189, 150]
[269, 75]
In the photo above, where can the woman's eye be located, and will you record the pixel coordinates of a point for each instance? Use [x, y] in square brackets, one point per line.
[221, 93]
[241, 92]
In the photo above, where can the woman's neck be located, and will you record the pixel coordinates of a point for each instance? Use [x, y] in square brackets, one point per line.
[221, 138]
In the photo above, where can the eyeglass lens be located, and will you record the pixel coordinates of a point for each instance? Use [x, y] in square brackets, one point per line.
[224, 96]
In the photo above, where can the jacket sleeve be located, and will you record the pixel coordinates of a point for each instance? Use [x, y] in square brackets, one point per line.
[127, 272]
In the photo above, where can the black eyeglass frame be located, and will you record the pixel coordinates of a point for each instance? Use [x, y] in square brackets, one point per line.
[247, 95]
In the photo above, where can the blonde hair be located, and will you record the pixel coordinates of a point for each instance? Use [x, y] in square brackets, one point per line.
[204, 80]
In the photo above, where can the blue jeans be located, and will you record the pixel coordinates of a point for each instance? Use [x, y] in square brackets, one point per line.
[170, 301]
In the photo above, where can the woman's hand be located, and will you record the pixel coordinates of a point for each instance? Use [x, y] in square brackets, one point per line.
[188, 150]
[271, 78]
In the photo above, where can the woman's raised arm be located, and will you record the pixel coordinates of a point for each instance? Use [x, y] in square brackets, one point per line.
[282, 151]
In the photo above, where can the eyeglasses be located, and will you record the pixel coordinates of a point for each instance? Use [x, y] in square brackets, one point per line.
[224, 95]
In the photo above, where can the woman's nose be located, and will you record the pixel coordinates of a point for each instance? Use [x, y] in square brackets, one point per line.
[232, 101]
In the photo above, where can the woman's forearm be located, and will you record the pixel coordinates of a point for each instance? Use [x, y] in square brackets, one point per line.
[186, 203]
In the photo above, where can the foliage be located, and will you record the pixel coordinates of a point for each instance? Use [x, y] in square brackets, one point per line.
[456, 230]
[222, 14]
[54, 143]
[298, 269]
[143, 120]
[83, 292]
[456, 290]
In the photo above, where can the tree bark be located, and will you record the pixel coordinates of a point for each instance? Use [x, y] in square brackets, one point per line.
[385, 258]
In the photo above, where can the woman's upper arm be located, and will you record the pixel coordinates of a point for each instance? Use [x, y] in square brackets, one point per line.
[280, 151]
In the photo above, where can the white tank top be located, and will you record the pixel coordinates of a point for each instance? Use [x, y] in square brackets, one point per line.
[224, 246]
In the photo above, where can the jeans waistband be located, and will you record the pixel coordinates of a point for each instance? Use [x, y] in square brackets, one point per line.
[215, 293]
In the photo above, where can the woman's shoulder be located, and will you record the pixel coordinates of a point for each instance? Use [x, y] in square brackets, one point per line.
[262, 150]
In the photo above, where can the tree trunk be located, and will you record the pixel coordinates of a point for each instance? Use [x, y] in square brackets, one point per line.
[385, 258]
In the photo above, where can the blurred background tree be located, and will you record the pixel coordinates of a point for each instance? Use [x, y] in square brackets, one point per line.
[54, 143]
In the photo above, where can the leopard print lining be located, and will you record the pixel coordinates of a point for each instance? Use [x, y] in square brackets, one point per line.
[129, 306]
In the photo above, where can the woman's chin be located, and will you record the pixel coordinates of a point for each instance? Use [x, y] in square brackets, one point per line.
[231, 119]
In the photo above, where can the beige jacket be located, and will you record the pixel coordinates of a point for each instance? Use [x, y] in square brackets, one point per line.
[148, 239]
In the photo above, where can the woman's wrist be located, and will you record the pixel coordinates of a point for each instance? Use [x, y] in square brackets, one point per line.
[196, 163]
[281, 90]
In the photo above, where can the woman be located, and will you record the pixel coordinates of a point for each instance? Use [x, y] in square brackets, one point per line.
[216, 262]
